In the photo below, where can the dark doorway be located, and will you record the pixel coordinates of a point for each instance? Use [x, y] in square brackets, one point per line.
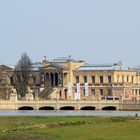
[88, 108]
[65, 93]
[67, 108]
[46, 108]
[60, 93]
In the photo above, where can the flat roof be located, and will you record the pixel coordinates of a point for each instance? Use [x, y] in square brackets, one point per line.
[108, 67]
[65, 59]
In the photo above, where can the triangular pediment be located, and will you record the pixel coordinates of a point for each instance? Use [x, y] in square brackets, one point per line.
[51, 67]
[55, 66]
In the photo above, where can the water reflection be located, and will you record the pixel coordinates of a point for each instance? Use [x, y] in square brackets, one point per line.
[66, 113]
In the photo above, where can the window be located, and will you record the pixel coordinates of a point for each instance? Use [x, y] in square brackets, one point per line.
[93, 79]
[101, 91]
[85, 79]
[109, 92]
[11, 80]
[60, 94]
[132, 79]
[109, 79]
[77, 79]
[92, 91]
[136, 92]
[101, 79]
[84, 92]
[127, 78]
[122, 78]
[117, 78]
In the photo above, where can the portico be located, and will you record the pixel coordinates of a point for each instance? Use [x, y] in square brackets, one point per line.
[52, 76]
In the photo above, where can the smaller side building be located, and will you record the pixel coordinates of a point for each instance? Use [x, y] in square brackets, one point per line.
[5, 82]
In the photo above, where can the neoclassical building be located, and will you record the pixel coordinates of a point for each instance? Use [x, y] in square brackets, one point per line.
[76, 80]
[69, 79]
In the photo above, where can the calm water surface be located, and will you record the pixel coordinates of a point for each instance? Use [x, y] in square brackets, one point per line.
[66, 113]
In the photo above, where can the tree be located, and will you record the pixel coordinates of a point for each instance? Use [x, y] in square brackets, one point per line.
[22, 75]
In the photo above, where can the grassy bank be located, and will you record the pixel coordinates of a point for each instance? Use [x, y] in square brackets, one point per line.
[69, 128]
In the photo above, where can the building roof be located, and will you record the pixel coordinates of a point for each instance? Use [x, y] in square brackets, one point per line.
[65, 59]
[11, 66]
[90, 67]
[136, 69]
[4, 68]
[36, 66]
[61, 59]
[59, 66]
[54, 66]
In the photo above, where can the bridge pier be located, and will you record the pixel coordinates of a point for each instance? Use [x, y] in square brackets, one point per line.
[77, 107]
[56, 108]
[98, 108]
[117, 108]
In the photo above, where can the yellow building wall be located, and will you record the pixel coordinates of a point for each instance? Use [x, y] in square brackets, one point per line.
[122, 81]
[89, 75]
[125, 76]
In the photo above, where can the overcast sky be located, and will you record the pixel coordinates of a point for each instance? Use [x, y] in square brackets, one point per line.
[99, 31]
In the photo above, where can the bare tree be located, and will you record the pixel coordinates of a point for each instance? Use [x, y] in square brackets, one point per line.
[22, 74]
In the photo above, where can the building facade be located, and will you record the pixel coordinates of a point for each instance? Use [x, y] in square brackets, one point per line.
[77, 80]
[69, 79]
[5, 84]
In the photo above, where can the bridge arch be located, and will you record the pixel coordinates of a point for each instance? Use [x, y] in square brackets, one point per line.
[109, 108]
[26, 108]
[46, 108]
[67, 108]
[88, 108]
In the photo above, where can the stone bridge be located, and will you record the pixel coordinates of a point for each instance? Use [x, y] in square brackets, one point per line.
[60, 105]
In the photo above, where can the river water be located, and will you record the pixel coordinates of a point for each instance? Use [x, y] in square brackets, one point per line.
[66, 113]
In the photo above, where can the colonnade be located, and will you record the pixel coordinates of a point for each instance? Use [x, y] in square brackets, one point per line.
[136, 93]
[54, 78]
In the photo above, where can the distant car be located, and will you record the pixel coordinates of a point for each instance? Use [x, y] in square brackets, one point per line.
[110, 98]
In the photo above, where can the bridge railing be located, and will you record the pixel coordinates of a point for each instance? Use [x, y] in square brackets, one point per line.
[60, 101]
[130, 102]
